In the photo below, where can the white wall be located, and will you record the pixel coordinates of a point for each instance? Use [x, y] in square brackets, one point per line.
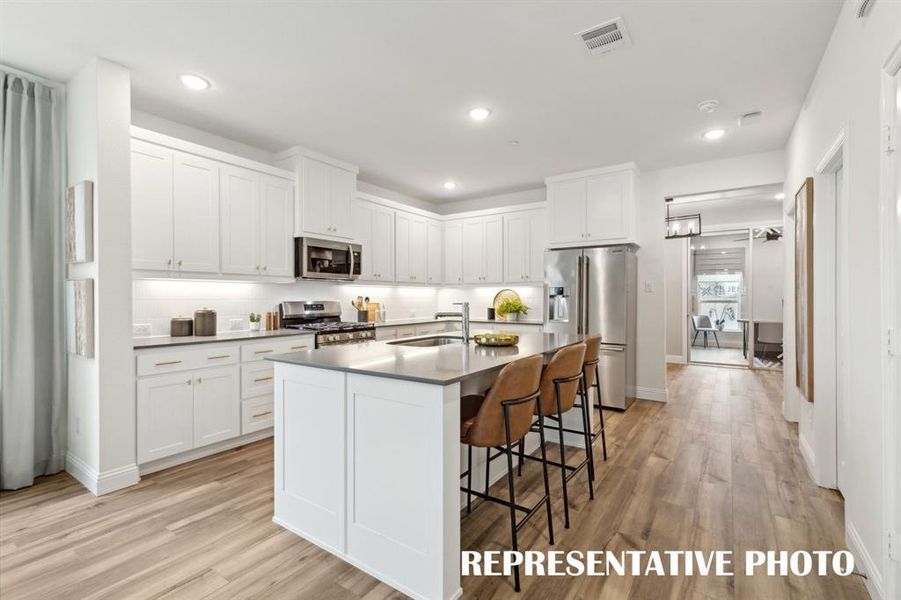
[101, 450]
[675, 273]
[846, 93]
[376, 190]
[496, 201]
[742, 171]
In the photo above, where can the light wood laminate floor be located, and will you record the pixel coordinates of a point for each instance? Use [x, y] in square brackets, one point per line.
[715, 468]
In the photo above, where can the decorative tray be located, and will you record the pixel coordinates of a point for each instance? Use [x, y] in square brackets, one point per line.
[496, 339]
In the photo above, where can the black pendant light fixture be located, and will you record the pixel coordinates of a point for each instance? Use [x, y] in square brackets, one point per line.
[681, 226]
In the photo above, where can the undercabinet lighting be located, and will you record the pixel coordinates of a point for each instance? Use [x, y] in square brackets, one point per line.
[450, 185]
[779, 196]
[194, 82]
[714, 134]
[479, 113]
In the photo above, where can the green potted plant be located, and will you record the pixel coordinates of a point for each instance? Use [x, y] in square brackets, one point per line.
[511, 309]
[254, 321]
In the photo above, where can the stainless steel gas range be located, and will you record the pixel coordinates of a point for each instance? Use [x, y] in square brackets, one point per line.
[323, 317]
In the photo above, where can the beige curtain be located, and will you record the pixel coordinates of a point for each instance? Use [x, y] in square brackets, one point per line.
[32, 328]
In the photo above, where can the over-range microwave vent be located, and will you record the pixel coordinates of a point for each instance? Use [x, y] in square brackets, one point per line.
[606, 37]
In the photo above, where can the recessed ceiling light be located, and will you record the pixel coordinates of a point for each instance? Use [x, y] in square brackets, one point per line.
[479, 113]
[449, 185]
[194, 82]
[779, 196]
[708, 106]
[714, 134]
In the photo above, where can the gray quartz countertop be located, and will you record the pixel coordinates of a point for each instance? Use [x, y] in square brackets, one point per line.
[165, 341]
[440, 365]
[426, 320]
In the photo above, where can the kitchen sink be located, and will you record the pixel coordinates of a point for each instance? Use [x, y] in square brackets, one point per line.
[438, 340]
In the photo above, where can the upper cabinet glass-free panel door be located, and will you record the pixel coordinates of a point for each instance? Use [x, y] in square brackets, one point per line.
[363, 219]
[196, 213]
[342, 187]
[473, 243]
[435, 251]
[516, 247]
[418, 249]
[151, 206]
[566, 202]
[240, 210]
[277, 226]
[381, 250]
[608, 207]
[493, 249]
[402, 266]
[316, 197]
[453, 252]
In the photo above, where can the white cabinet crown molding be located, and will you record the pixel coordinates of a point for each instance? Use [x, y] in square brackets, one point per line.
[629, 166]
[296, 151]
[161, 139]
[501, 210]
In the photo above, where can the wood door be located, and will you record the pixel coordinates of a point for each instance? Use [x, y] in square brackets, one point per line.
[493, 249]
[196, 213]
[277, 226]
[608, 207]
[473, 242]
[435, 251]
[217, 405]
[316, 196]
[566, 202]
[165, 413]
[453, 252]
[342, 188]
[240, 215]
[151, 206]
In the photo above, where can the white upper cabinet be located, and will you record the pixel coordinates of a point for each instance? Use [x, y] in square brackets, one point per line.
[276, 226]
[594, 207]
[374, 231]
[453, 252]
[326, 191]
[151, 206]
[214, 213]
[483, 250]
[411, 261]
[525, 238]
[434, 251]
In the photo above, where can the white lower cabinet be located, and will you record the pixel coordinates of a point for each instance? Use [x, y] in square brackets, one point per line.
[256, 414]
[217, 406]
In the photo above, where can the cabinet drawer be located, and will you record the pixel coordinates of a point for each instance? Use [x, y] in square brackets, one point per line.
[214, 357]
[167, 361]
[256, 378]
[385, 333]
[256, 414]
[260, 350]
[430, 328]
[406, 331]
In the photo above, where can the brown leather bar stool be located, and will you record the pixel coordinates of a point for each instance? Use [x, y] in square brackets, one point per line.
[561, 382]
[593, 380]
[499, 420]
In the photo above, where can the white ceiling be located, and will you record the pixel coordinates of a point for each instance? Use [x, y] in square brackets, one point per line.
[387, 85]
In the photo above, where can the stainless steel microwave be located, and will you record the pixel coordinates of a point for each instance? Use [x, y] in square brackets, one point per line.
[325, 259]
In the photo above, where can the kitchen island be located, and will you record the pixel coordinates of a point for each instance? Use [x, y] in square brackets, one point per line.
[367, 452]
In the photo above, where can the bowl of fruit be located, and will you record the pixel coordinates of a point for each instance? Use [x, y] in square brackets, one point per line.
[497, 339]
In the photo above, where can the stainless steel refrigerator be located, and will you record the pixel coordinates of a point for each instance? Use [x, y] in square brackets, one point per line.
[592, 290]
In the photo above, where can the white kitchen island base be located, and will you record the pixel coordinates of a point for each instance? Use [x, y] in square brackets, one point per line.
[368, 468]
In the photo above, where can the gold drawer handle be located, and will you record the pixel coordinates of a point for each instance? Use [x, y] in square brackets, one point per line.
[299, 347]
[168, 362]
[263, 351]
[262, 379]
[219, 356]
[262, 414]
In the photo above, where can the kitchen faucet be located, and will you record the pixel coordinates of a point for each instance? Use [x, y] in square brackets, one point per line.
[463, 314]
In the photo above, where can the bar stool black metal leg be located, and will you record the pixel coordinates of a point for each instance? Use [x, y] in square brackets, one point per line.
[597, 385]
[586, 431]
[522, 455]
[562, 458]
[487, 469]
[468, 479]
[509, 452]
[547, 487]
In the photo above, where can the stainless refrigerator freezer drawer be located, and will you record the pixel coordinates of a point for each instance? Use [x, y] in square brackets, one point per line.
[612, 373]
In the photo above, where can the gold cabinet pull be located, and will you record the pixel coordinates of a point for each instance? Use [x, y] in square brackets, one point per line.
[167, 362]
[262, 414]
[219, 356]
[263, 351]
[299, 347]
[259, 379]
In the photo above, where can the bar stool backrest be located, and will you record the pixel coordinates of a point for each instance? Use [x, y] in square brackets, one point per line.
[592, 352]
[566, 363]
[518, 379]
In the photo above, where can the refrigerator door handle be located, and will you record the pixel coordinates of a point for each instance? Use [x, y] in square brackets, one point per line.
[579, 278]
[612, 348]
[586, 310]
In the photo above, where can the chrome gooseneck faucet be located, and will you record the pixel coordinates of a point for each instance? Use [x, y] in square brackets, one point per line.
[463, 314]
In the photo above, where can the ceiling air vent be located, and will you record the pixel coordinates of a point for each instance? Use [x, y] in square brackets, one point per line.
[606, 37]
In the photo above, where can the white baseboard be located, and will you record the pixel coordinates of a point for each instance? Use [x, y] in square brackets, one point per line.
[100, 483]
[646, 393]
[178, 459]
[677, 359]
[809, 457]
[864, 562]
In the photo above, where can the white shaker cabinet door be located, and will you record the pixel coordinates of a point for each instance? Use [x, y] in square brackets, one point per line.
[418, 250]
[402, 231]
[342, 187]
[382, 252]
[165, 409]
[608, 207]
[566, 202]
[276, 232]
[493, 249]
[453, 252]
[516, 247]
[364, 223]
[196, 213]
[217, 405]
[240, 211]
[316, 197]
[473, 242]
[435, 251]
[151, 206]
